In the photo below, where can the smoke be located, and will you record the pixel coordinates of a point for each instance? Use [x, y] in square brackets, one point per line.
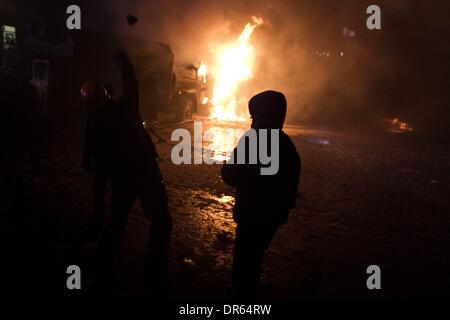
[300, 50]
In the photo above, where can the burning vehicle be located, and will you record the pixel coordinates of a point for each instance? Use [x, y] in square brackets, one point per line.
[169, 90]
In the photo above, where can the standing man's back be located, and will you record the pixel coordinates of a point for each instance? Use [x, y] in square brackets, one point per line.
[135, 174]
[262, 201]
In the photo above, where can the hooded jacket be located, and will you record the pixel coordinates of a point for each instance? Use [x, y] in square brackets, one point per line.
[265, 198]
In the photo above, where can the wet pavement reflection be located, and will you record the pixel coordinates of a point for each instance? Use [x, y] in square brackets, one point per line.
[220, 142]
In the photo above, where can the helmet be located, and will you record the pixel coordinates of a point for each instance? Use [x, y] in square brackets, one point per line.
[94, 94]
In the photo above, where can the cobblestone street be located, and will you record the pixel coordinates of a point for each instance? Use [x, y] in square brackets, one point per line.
[365, 198]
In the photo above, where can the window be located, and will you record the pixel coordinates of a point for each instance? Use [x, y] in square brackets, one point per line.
[8, 37]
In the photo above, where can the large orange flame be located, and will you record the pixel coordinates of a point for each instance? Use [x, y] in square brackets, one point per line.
[233, 65]
[202, 72]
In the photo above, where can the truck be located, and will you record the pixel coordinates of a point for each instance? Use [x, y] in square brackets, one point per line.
[169, 91]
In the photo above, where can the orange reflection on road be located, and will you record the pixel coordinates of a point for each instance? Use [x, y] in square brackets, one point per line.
[221, 142]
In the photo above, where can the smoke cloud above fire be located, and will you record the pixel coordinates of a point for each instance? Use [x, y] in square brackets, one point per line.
[319, 53]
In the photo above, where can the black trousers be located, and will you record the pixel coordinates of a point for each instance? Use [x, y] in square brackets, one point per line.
[252, 241]
[151, 192]
[101, 177]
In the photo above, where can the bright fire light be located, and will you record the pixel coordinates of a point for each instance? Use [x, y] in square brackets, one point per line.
[202, 72]
[233, 65]
[400, 126]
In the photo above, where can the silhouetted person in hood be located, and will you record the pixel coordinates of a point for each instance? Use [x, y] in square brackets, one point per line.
[262, 201]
